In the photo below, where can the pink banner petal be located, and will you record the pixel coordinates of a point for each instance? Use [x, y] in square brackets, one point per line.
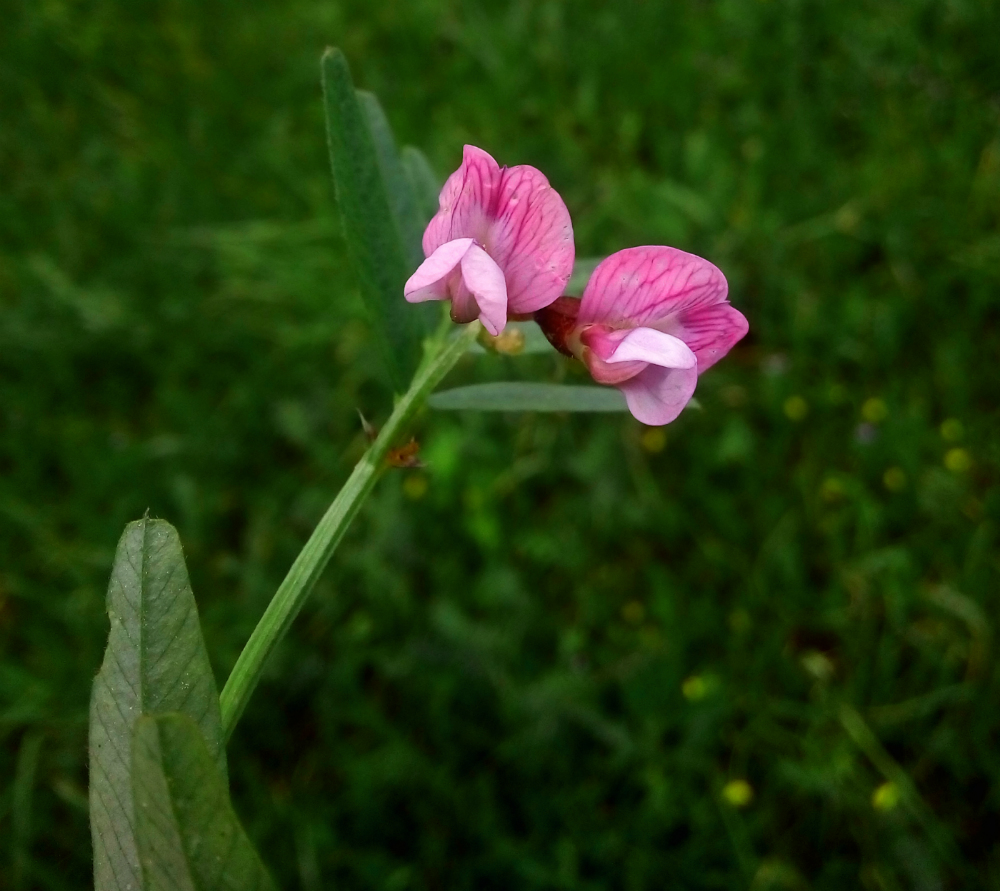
[531, 239]
[639, 286]
[467, 202]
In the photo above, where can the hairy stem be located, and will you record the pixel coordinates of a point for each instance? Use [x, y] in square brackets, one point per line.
[313, 558]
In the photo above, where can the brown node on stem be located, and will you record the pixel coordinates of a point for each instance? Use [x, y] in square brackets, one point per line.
[405, 456]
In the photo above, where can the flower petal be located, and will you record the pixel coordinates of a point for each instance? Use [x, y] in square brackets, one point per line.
[711, 332]
[467, 201]
[430, 281]
[597, 344]
[531, 238]
[655, 347]
[485, 282]
[642, 285]
[658, 395]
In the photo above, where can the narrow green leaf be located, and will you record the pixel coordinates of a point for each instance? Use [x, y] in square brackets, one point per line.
[528, 396]
[373, 237]
[583, 269]
[155, 661]
[189, 836]
[398, 186]
[425, 184]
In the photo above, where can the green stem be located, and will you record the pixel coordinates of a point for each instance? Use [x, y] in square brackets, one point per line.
[313, 558]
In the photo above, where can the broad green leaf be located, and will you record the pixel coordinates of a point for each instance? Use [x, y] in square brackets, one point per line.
[155, 661]
[583, 269]
[374, 240]
[532, 340]
[189, 836]
[398, 185]
[426, 186]
[528, 396]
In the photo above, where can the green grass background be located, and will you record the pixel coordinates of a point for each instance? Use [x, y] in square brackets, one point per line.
[488, 688]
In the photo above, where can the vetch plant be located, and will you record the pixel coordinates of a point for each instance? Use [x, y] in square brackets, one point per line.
[500, 250]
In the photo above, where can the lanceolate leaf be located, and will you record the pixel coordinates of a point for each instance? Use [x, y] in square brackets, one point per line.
[189, 836]
[155, 661]
[528, 396]
[382, 261]
[398, 185]
[426, 186]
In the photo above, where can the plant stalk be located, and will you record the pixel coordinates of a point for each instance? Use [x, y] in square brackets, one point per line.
[313, 558]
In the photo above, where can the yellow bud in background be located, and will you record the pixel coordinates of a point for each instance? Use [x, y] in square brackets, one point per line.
[653, 439]
[694, 688]
[796, 408]
[415, 486]
[885, 797]
[957, 460]
[738, 793]
[510, 341]
[874, 410]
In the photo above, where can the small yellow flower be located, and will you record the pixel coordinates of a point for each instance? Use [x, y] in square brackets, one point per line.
[874, 411]
[885, 797]
[738, 793]
[832, 489]
[957, 460]
[653, 439]
[415, 486]
[510, 341]
[796, 408]
[694, 688]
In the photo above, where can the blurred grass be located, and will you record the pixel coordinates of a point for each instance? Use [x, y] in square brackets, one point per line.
[573, 652]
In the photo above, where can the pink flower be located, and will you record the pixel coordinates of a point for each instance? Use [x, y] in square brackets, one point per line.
[501, 242]
[650, 321]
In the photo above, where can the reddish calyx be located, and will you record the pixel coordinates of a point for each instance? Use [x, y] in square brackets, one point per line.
[557, 321]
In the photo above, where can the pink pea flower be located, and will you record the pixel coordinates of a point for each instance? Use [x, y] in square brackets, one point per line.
[502, 242]
[650, 321]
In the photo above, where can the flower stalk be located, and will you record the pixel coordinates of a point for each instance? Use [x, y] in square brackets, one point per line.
[441, 355]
